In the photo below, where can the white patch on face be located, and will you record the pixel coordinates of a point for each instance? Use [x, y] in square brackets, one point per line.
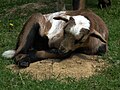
[57, 25]
[81, 22]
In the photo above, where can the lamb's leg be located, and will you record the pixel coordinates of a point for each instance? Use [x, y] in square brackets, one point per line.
[28, 36]
[24, 60]
[78, 4]
[28, 33]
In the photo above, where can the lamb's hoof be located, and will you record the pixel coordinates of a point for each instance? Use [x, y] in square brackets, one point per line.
[23, 64]
[22, 61]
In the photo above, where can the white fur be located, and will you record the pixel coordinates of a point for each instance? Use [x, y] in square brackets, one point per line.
[9, 54]
[57, 25]
[81, 22]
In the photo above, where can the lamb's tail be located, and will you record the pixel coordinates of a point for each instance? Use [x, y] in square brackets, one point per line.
[9, 54]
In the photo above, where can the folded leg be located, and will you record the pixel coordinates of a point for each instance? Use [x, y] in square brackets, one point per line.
[29, 36]
[24, 60]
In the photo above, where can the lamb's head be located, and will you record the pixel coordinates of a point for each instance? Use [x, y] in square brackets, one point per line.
[76, 33]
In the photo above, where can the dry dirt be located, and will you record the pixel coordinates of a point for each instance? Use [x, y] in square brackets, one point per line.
[76, 66]
[23, 10]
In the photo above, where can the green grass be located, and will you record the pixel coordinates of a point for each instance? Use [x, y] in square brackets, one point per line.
[109, 79]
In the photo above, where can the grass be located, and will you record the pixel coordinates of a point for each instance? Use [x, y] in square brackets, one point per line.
[108, 80]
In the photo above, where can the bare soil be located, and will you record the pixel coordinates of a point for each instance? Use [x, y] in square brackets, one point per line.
[23, 10]
[76, 66]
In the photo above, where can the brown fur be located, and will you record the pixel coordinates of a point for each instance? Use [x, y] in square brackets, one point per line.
[78, 4]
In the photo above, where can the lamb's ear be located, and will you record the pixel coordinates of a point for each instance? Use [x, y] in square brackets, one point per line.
[61, 18]
[96, 34]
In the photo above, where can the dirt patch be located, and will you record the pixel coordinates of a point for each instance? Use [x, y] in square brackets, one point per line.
[25, 8]
[76, 66]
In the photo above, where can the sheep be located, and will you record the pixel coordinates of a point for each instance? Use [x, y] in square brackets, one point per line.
[80, 4]
[58, 35]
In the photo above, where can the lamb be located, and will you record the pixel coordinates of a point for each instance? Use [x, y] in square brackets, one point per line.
[57, 35]
[80, 4]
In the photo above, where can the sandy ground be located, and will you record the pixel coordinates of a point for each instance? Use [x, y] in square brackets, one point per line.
[76, 66]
